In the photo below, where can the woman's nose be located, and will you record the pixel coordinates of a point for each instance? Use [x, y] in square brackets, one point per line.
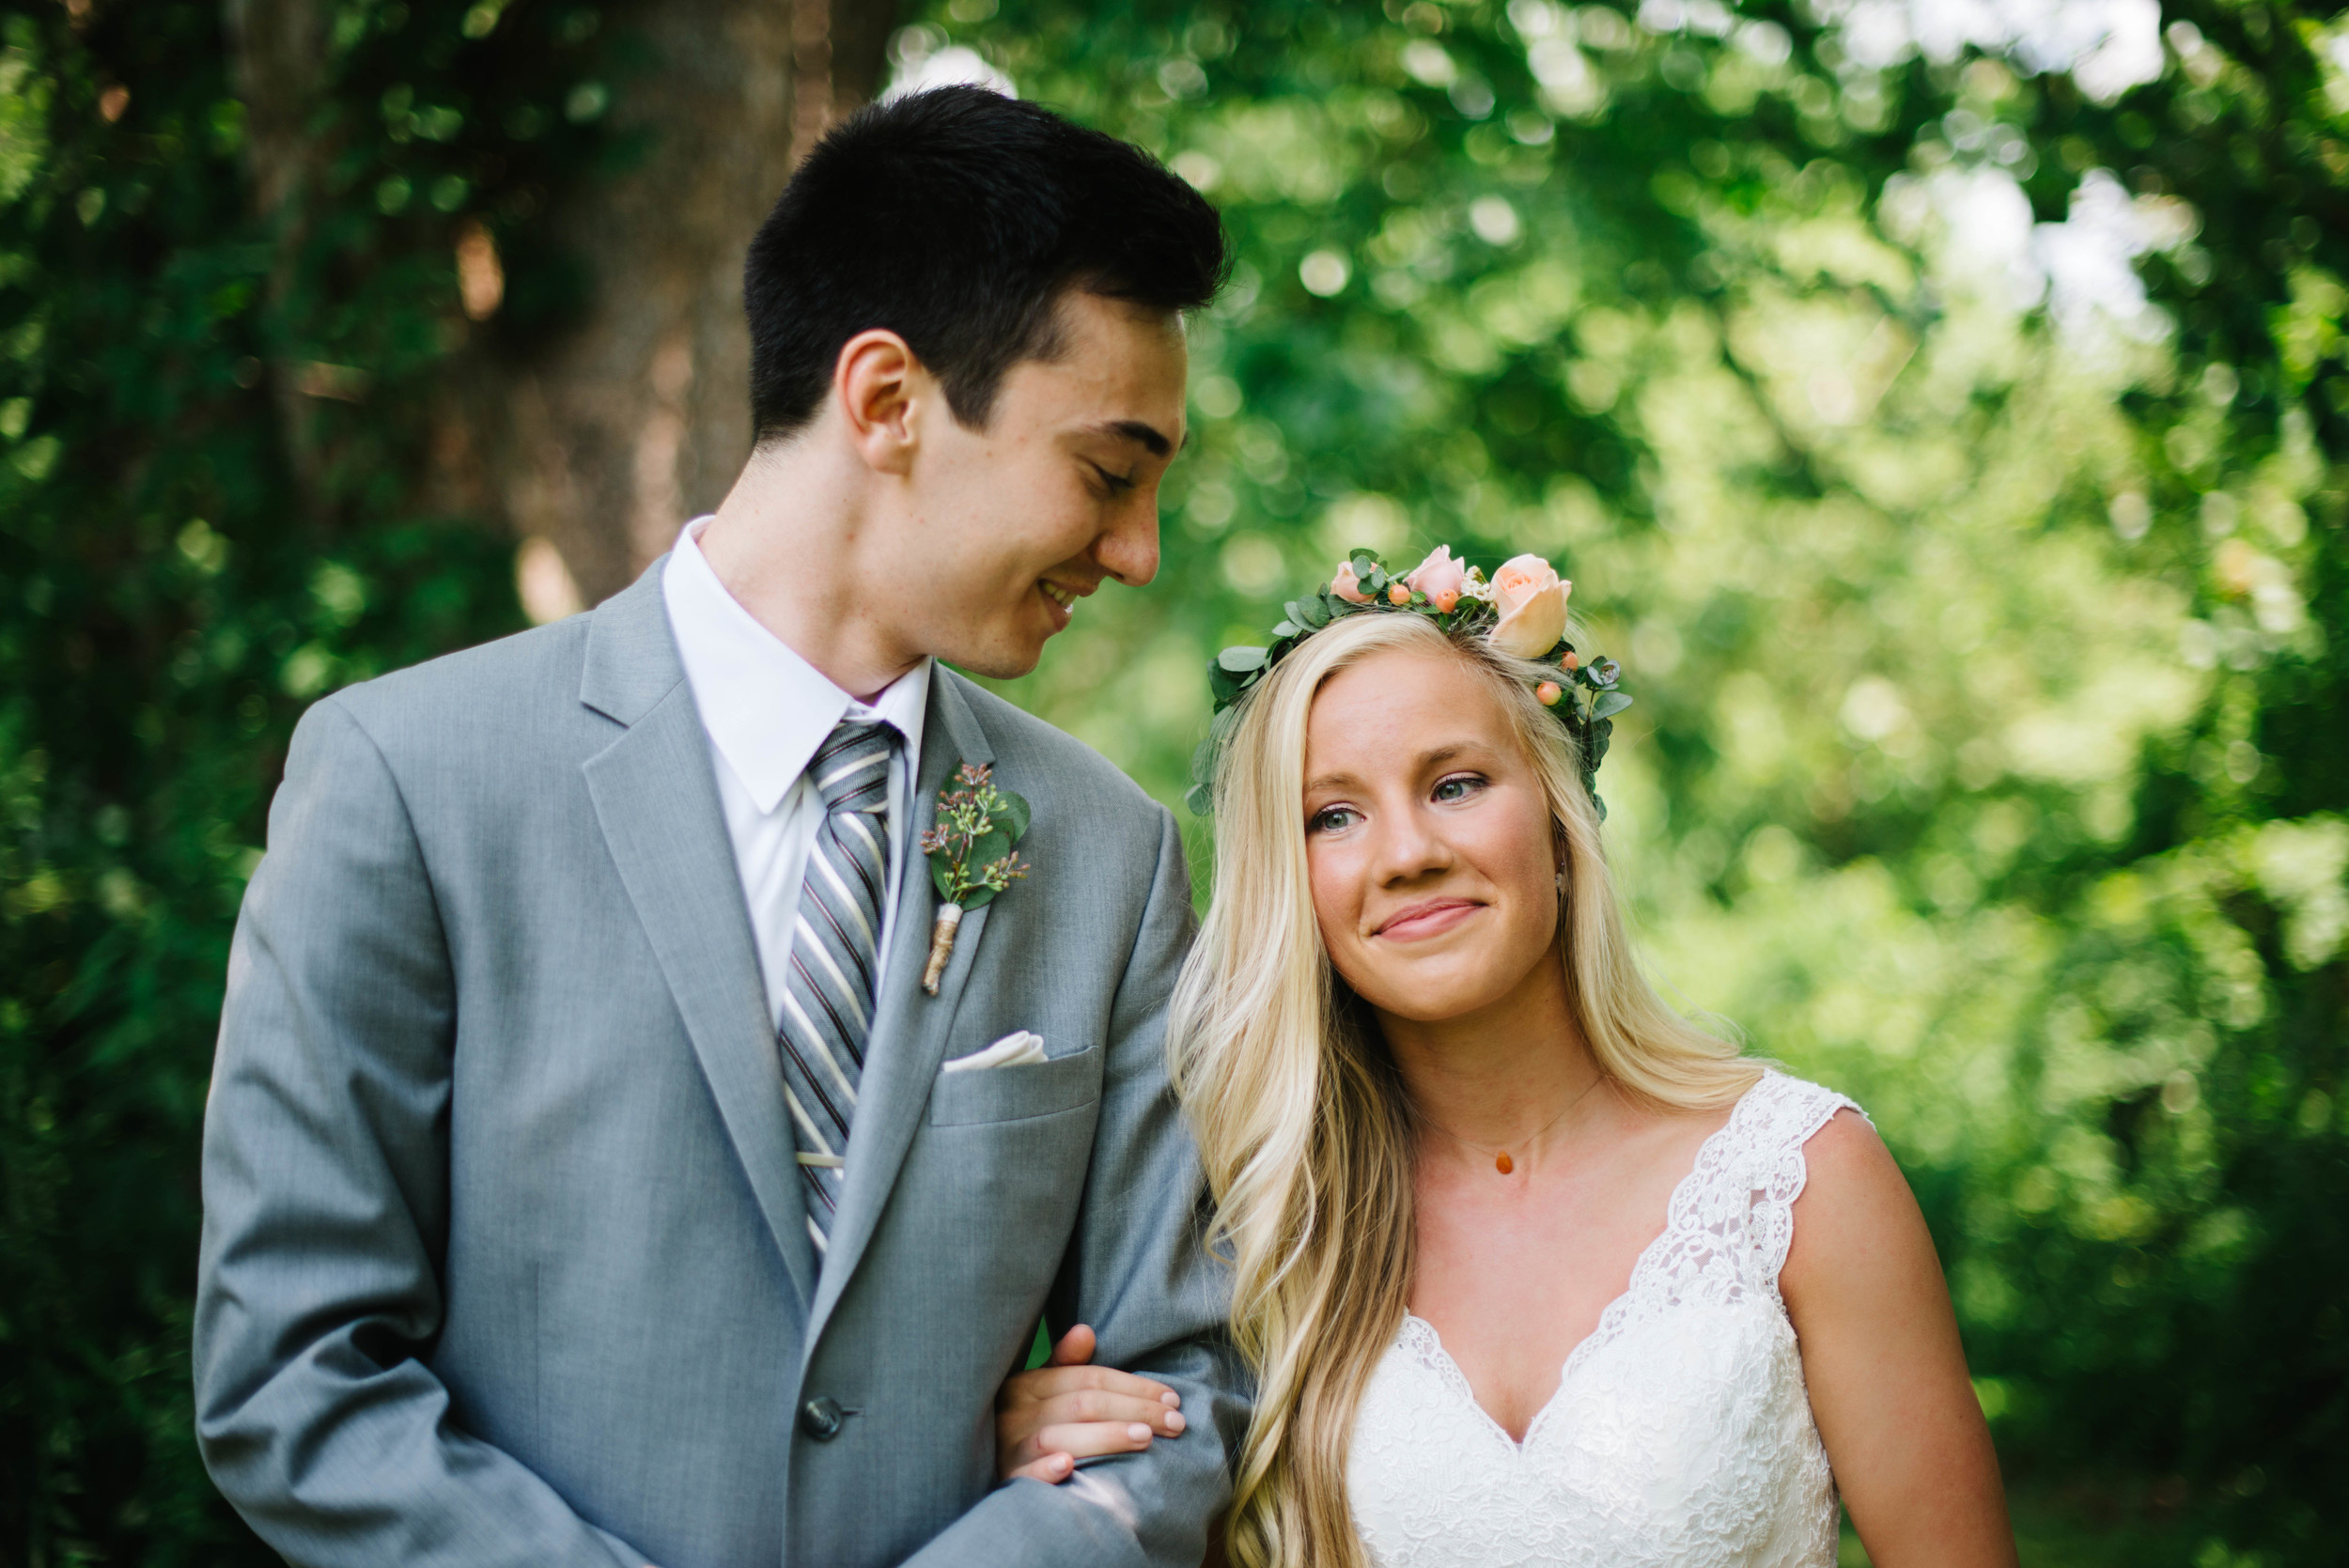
[1408, 845]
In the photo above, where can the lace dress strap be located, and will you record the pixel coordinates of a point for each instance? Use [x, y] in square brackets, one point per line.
[1732, 1218]
[1766, 1167]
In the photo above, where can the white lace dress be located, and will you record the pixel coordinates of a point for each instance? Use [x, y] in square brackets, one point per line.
[1681, 1432]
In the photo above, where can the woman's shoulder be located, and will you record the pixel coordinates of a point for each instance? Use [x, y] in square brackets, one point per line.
[1849, 1191]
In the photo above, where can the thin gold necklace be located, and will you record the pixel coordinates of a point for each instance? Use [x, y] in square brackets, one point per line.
[1502, 1162]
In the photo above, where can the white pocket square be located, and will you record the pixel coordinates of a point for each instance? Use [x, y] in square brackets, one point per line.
[1015, 1050]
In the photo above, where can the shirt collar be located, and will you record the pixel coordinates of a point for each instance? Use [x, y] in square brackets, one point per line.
[766, 709]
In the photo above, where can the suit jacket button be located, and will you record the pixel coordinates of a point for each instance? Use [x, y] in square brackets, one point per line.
[820, 1419]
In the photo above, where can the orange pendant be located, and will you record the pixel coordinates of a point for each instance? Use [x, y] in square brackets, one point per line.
[1504, 1165]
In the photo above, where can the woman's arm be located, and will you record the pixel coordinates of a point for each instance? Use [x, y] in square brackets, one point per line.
[1888, 1388]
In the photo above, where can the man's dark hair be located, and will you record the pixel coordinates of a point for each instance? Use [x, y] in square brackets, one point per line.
[957, 218]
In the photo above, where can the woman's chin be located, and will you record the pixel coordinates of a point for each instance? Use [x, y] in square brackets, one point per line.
[1428, 999]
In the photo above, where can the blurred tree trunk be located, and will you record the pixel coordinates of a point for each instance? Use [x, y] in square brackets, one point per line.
[640, 418]
[280, 63]
[601, 440]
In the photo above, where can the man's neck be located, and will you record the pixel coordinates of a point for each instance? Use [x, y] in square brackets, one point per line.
[784, 544]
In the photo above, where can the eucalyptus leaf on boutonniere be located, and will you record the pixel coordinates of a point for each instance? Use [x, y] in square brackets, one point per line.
[970, 854]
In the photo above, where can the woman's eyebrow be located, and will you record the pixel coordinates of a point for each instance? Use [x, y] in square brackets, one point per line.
[1434, 758]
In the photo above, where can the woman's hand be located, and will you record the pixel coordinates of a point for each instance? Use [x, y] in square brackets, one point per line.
[1067, 1411]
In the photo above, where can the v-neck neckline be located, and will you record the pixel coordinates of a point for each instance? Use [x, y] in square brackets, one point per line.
[1610, 1318]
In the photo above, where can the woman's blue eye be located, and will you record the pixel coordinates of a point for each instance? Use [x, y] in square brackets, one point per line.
[1331, 821]
[1457, 787]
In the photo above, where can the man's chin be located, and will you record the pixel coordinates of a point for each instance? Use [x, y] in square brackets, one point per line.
[996, 659]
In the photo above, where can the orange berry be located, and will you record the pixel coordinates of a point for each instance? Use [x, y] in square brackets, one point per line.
[1549, 692]
[1571, 662]
[1398, 594]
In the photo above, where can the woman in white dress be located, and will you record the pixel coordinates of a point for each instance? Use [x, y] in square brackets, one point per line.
[1530, 1269]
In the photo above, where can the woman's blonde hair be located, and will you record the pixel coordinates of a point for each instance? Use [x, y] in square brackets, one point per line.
[1300, 1118]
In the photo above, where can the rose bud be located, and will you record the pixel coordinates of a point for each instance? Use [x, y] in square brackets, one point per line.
[1441, 578]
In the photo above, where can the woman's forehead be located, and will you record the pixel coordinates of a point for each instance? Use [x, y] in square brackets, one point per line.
[1399, 707]
[1410, 684]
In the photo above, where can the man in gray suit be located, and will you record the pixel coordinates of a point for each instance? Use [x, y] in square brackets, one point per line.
[589, 1176]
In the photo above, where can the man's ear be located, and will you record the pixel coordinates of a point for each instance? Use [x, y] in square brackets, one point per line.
[881, 389]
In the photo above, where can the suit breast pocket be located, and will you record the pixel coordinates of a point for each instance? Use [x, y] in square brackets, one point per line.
[1017, 1094]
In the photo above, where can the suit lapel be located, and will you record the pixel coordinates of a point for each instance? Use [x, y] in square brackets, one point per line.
[657, 803]
[909, 1029]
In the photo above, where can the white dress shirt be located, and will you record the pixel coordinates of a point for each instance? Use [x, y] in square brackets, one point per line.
[766, 711]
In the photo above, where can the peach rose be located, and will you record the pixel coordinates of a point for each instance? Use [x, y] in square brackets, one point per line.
[1345, 585]
[1441, 578]
[1533, 604]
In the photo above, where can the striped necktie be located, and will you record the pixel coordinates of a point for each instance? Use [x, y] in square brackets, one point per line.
[827, 996]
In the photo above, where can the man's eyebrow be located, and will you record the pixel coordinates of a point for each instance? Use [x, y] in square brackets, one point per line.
[1147, 436]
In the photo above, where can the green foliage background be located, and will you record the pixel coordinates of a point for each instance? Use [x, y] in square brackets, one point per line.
[1991, 751]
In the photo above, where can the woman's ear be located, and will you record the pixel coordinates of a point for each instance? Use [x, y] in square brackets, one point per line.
[878, 385]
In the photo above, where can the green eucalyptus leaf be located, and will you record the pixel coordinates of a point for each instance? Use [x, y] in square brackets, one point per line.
[1610, 703]
[1201, 800]
[990, 846]
[1241, 661]
[1013, 818]
[979, 897]
[942, 876]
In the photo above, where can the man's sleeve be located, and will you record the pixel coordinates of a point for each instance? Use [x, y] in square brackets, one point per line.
[1138, 1272]
[326, 1202]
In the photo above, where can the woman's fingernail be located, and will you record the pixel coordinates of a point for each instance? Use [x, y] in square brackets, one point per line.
[1138, 1433]
[1061, 1463]
[1174, 1421]
[1171, 1399]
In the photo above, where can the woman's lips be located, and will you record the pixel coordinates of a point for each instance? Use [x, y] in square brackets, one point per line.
[1415, 922]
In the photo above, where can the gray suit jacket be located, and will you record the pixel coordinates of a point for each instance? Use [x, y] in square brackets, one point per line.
[504, 1256]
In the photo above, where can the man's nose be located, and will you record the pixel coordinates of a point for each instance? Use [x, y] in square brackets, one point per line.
[1127, 548]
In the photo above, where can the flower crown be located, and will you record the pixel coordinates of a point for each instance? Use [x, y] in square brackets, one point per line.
[1521, 610]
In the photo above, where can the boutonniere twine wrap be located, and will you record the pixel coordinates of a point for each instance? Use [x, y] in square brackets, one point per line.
[970, 854]
[1521, 610]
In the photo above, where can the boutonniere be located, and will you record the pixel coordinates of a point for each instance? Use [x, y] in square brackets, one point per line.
[971, 853]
